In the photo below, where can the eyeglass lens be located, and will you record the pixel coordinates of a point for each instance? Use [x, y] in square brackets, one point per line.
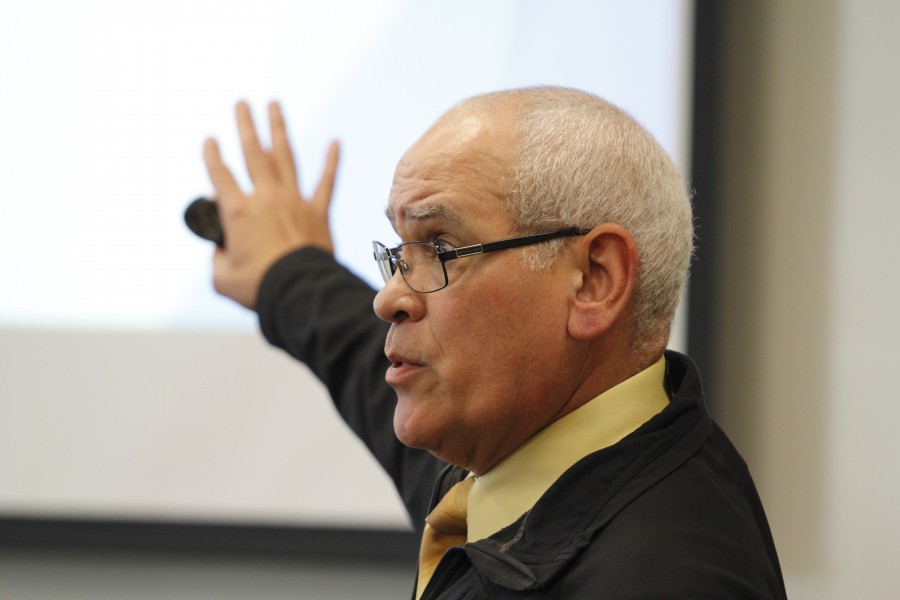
[418, 263]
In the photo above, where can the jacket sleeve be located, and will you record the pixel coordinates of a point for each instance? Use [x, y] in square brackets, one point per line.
[321, 314]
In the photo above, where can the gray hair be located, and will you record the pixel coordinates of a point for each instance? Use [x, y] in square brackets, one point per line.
[582, 162]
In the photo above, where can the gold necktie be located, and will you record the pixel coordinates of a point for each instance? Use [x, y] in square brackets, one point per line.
[445, 527]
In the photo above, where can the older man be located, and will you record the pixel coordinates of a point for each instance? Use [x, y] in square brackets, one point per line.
[545, 238]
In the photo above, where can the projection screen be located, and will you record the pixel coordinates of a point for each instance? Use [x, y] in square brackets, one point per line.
[128, 389]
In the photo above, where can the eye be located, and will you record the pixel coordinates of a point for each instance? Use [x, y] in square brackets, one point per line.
[443, 245]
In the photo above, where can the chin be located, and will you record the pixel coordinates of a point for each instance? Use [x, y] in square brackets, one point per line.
[408, 431]
[424, 436]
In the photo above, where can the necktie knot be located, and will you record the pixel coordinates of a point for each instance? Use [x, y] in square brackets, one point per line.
[445, 527]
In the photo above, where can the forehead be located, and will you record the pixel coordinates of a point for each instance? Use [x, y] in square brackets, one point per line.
[456, 174]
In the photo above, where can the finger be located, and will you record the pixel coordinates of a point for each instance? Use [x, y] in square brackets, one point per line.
[258, 164]
[223, 181]
[281, 147]
[322, 196]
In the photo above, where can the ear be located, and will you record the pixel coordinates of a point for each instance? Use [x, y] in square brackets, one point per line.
[607, 260]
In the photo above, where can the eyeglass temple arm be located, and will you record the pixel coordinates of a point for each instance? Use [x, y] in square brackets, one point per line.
[510, 243]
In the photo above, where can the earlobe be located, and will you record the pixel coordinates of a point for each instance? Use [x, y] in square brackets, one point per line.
[608, 260]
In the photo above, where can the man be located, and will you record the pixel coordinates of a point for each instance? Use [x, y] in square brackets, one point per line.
[523, 323]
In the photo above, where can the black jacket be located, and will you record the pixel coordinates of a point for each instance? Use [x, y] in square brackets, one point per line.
[668, 512]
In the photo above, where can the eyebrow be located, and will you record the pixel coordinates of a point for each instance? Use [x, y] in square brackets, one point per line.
[424, 213]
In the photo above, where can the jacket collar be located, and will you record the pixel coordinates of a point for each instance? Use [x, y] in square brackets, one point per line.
[532, 552]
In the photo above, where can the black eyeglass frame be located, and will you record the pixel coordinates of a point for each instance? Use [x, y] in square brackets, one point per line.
[473, 250]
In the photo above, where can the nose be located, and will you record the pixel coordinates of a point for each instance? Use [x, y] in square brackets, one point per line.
[397, 302]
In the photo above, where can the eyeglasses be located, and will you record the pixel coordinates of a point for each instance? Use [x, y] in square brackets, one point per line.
[422, 263]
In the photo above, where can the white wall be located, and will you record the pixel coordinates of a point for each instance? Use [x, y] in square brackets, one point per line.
[810, 285]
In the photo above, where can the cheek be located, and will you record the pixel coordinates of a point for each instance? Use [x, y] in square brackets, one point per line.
[494, 352]
[469, 328]
[487, 341]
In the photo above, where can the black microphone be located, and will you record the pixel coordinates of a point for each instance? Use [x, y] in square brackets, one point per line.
[202, 217]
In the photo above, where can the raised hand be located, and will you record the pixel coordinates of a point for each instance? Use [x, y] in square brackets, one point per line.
[275, 218]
